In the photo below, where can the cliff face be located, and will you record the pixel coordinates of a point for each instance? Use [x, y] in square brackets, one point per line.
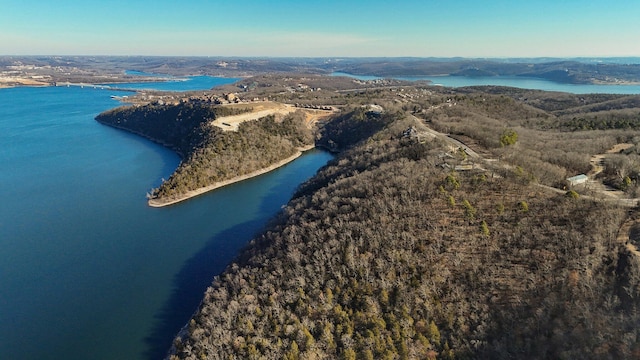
[209, 154]
[388, 254]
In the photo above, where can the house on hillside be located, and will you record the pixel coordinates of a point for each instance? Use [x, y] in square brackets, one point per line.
[577, 180]
[374, 109]
[410, 133]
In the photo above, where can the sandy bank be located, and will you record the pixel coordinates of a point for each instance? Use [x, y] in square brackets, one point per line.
[219, 184]
[12, 81]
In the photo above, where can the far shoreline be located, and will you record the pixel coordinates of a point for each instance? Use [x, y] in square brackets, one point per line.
[110, 81]
[156, 203]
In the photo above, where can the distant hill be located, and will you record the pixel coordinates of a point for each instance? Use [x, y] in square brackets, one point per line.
[99, 69]
[572, 72]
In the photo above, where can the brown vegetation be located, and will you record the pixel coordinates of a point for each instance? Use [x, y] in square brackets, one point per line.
[372, 259]
[551, 145]
[211, 155]
[389, 253]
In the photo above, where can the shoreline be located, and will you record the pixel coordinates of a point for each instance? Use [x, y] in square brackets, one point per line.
[7, 82]
[13, 85]
[193, 193]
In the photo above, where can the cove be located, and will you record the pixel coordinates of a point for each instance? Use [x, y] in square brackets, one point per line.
[88, 270]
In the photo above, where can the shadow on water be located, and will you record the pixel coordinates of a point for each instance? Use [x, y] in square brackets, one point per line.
[197, 273]
[192, 280]
[170, 159]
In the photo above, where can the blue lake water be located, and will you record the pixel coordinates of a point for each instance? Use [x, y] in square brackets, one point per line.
[87, 269]
[512, 81]
[189, 83]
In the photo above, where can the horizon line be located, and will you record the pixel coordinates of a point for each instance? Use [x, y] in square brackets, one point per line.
[325, 57]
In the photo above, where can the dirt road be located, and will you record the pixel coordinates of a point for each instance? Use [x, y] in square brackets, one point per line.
[260, 110]
[266, 108]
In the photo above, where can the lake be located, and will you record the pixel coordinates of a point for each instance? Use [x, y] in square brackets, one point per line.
[88, 270]
[188, 83]
[512, 81]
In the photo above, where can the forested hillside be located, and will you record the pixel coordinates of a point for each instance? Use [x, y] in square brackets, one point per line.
[433, 234]
[210, 155]
[558, 134]
[388, 253]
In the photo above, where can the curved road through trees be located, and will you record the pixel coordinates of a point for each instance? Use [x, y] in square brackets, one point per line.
[605, 197]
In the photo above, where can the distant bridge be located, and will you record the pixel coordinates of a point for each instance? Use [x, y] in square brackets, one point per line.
[94, 86]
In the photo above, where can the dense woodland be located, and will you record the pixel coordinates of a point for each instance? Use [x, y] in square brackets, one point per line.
[390, 253]
[387, 255]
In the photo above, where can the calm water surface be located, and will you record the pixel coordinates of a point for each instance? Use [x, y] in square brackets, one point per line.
[188, 83]
[513, 81]
[87, 269]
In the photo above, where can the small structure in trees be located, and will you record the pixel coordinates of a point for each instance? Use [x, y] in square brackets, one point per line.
[374, 109]
[577, 180]
[410, 133]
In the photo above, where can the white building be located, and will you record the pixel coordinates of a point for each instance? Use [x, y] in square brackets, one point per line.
[577, 180]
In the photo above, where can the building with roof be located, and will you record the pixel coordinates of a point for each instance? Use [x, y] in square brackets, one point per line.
[577, 180]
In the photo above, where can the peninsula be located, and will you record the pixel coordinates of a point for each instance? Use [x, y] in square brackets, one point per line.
[219, 144]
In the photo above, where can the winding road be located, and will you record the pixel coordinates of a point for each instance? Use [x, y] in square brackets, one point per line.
[607, 196]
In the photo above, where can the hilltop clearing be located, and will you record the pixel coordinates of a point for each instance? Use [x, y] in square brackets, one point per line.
[257, 110]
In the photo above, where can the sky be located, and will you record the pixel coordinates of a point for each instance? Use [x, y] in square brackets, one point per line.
[328, 28]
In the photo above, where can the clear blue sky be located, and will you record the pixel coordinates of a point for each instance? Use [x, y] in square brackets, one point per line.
[470, 28]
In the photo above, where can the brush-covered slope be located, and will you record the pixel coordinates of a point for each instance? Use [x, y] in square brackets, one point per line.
[389, 254]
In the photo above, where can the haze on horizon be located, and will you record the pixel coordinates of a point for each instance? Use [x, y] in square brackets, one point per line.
[420, 28]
